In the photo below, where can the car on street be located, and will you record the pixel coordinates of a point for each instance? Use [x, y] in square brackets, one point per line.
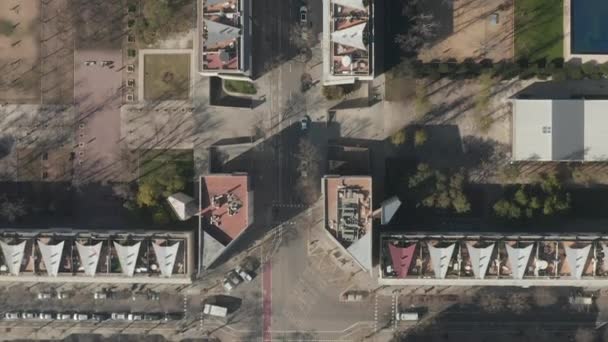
[135, 317]
[11, 315]
[354, 296]
[62, 295]
[244, 274]
[215, 310]
[103, 294]
[153, 317]
[62, 316]
[81, 317]
[44, 295]
[28, 315]
[118, 316]
[303, 14]
[45, 316]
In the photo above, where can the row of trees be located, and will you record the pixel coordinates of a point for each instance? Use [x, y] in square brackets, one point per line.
[546, 197]
[556, 69]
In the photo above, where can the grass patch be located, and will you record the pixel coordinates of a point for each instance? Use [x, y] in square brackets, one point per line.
[241, 87]
[539, 29]
[167, 77]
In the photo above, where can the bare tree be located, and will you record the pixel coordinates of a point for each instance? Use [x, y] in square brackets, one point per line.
[12, 210]
[491, 302]
[308, 169]
[518, 303]
[544, 296]
[421, 32]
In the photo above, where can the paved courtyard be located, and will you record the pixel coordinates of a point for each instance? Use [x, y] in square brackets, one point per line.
[474, 33]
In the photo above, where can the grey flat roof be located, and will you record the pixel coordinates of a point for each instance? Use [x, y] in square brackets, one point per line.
[560, 130]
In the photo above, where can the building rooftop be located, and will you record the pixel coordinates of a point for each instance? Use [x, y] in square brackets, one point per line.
[83, 254]
[349, 37]
[348, 214]
[223, 35]
[497, 257]
[224, 205]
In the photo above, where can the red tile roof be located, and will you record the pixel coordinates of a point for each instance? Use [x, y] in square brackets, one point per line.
[225, 186]
[402, 258]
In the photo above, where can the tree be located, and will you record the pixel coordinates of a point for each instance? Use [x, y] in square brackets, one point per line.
[420, 137]
[160, 184]
[546, 197]
[421, 101]
[518, 303]
[439, 190]
[491, 302]
[333, 92]
[398, 138]
[12, 210]
[159, 19]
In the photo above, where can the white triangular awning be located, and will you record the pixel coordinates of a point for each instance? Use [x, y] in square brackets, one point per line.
[218, 32]
[127, 256]
[605, 250]
[440, 259]
[358, 4]
[89, 257]
[389, 209]
[577, 258]
[183, 205]
[480, 259]
[51, 256]
[165, 255]
[518, 258]
[13, 256]
[362, 252]
[352, 36]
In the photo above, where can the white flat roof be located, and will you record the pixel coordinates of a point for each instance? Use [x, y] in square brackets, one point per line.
[560, 130]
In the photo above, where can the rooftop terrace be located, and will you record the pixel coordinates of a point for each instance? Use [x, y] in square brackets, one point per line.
[74, 256]
[348, 213]
[518, 258]
[222, 35]
[350, 37]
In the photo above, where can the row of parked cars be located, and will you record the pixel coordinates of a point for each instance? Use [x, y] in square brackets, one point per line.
[101, 294]
[236, 277]
[97, 317]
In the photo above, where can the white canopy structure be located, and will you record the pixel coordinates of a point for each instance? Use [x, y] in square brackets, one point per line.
[13, 256]
[51, 256]
[165, 255]
[183, 205]
[89, 257]
[358, 4]
[352, 36]
[518, 258]
[218, 32]
[480, 259]
[577, 258]
[127, 256]
[440, 259]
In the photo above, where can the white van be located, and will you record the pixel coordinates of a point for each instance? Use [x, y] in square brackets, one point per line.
[407, 316]
[214, 310]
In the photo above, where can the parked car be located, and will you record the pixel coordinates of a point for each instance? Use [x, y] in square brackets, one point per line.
[232, 280]
[244, 274]
[11, 315]
[45, 316]
[118, 316]
[62, 295]
[103, 294]
[353, 296]
[99, 317]
[303, 14]
[153, 317]
[63, 316]
[28, 315]
[174, 316]
[153, 295]
[44, 295]
[81, 317]
[135, 317]
[406, 316]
